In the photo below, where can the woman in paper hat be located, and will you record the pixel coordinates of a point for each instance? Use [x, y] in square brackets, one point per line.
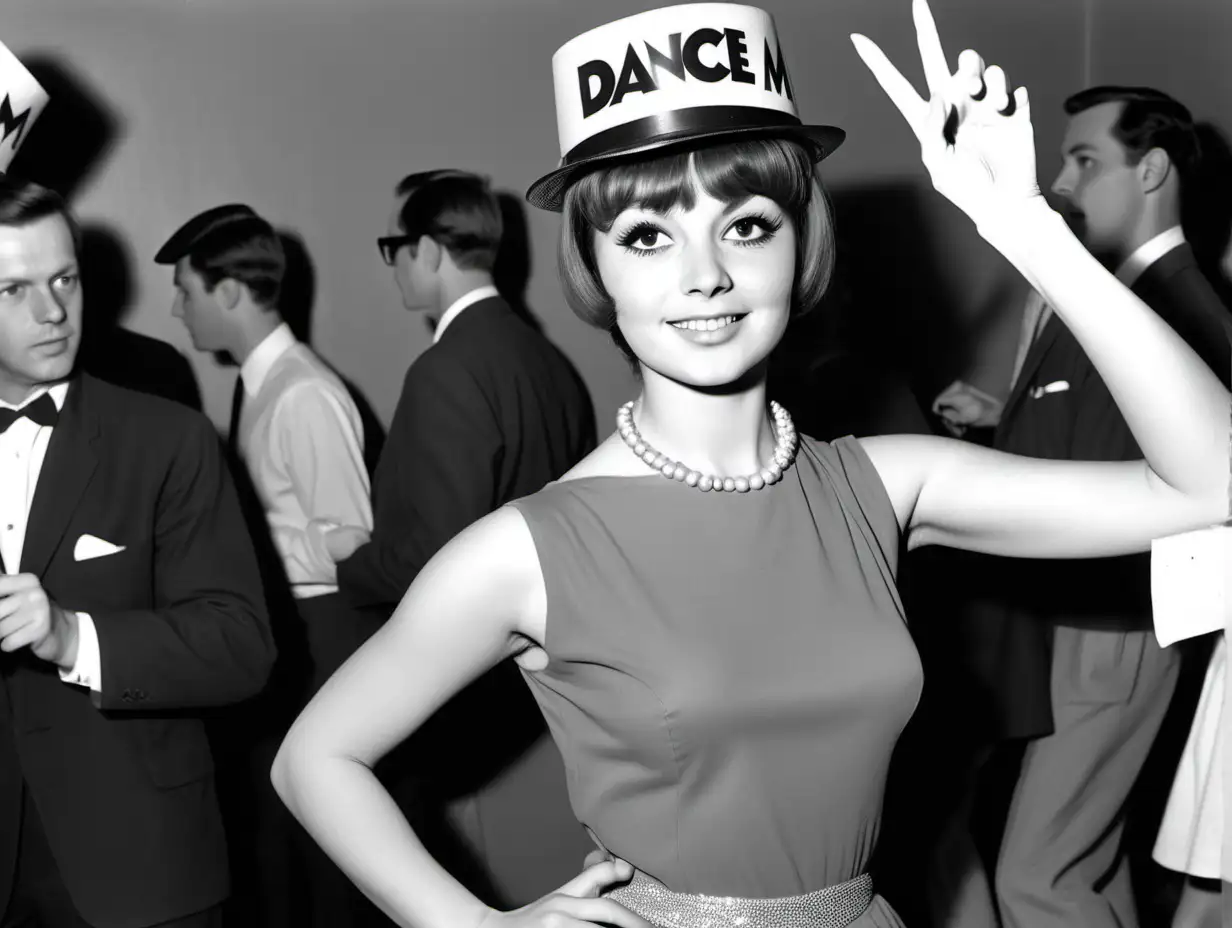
[705, 607]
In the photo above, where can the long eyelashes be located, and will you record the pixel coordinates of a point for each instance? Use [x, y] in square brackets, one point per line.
[641, 230]
[769, 225]
[647, 233]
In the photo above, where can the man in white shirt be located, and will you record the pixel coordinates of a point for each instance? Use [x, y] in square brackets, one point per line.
[1128, 155]
[299, 438]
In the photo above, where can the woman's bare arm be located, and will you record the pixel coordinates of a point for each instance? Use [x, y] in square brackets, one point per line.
[480, 600]
[984, 161]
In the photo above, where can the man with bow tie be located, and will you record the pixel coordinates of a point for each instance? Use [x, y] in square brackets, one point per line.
[129, 603]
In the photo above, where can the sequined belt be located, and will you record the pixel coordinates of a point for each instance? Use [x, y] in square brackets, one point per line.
[833, 907]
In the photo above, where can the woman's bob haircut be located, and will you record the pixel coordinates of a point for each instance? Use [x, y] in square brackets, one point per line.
[778, 169]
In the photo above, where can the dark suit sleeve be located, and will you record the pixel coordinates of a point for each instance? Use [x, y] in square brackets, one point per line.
[207, 640]
[1190, 305]
[1187, 302]
[1099, 431]
[437, 476]
[1098, 590]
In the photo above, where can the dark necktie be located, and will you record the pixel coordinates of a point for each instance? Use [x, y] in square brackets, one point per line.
[237, 404]
[42, 411]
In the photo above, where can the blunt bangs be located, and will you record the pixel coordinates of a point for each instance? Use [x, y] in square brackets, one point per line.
[731, 173]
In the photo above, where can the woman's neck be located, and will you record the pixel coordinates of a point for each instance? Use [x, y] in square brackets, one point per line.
[717, 433]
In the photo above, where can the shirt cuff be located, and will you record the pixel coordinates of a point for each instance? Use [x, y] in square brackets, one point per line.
[1190, 583]
[88, 670]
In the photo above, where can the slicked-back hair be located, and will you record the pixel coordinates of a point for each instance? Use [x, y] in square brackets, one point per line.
[458, 211]
[23, 202]
[1149, 119]
[778, 169]
[248, 252]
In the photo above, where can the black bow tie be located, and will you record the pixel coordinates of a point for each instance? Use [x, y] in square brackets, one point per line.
[42, 411]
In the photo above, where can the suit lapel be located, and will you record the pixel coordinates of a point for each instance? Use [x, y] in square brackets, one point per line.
[1167, 265]
[1052, 329]
[67, 469]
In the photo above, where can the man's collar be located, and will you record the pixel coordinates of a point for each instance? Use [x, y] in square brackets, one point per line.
[1148, 253]
[261, 360]
[58, 392]
[470, 299]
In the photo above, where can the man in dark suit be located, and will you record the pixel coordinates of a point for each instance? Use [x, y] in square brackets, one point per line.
[1127, 154]
[490, 412]
[129, 603]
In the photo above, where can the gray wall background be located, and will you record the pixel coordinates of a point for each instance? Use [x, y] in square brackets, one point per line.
[310, 110]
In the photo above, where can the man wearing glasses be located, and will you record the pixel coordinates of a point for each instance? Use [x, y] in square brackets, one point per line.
[490, 412]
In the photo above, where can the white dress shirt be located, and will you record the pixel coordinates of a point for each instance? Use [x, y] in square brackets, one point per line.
[301, 438]
[1035, 315]
[456, 307]
[23, 446]
[1148, 253]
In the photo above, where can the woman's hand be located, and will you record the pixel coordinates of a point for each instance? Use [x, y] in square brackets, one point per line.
[577, 903]
[975, 139]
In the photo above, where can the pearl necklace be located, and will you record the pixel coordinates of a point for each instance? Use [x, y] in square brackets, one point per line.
[784, 453]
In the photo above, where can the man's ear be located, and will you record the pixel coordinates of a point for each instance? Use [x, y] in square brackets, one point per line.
[228, 292]
[428, 251]
[1154, 169]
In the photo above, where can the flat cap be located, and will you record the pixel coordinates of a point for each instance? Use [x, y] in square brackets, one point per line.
[234, 220]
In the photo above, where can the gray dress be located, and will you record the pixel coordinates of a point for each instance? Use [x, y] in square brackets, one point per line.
[728, 673]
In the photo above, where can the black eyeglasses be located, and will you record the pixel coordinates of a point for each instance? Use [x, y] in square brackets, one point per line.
[389, 245]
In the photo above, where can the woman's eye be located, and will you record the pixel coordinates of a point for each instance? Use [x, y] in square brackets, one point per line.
[66, 282]
[751, 230]
[644, 238]
[747, 228]
[11, 292]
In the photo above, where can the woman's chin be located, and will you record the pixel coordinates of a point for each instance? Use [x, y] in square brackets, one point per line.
[717, 375]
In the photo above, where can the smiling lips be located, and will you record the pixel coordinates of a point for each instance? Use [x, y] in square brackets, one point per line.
[707, 325]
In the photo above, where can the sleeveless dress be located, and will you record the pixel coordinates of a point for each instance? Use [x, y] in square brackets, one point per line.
[728, 673]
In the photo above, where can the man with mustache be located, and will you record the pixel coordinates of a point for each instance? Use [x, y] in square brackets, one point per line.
[1130, 157]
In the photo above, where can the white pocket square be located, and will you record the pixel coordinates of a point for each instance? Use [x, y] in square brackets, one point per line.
[89, 546]
[1057, 386]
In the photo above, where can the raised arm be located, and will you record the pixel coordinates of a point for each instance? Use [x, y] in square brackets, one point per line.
[980, 154]
[479, 601]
